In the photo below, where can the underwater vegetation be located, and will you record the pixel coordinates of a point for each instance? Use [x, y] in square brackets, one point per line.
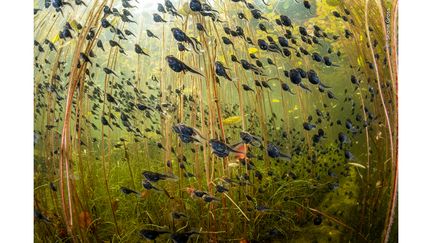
[215, 121]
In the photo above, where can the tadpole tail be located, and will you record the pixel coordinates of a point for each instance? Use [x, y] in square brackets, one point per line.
[192, 70]
[304, 87]
[68, 4]
[285, 156]
[325, 86]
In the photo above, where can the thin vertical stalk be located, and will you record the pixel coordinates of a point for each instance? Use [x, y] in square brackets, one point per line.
[392, 203]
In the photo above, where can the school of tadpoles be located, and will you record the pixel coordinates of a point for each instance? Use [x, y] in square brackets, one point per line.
[231, 112]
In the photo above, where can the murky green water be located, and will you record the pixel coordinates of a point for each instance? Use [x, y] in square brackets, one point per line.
[267, 122]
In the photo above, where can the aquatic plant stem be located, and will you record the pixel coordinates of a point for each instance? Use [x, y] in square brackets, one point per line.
[392, 203]
[235, 204]
[65, 138]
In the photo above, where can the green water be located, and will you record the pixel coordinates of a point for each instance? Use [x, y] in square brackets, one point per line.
[331, 190]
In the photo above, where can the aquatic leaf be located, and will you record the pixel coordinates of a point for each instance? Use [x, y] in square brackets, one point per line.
[357, 165]
[233, 165]
[74, 25]
[252, 50]
[231, 120]
[56, 38]
[360, 61]
[84, 219]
